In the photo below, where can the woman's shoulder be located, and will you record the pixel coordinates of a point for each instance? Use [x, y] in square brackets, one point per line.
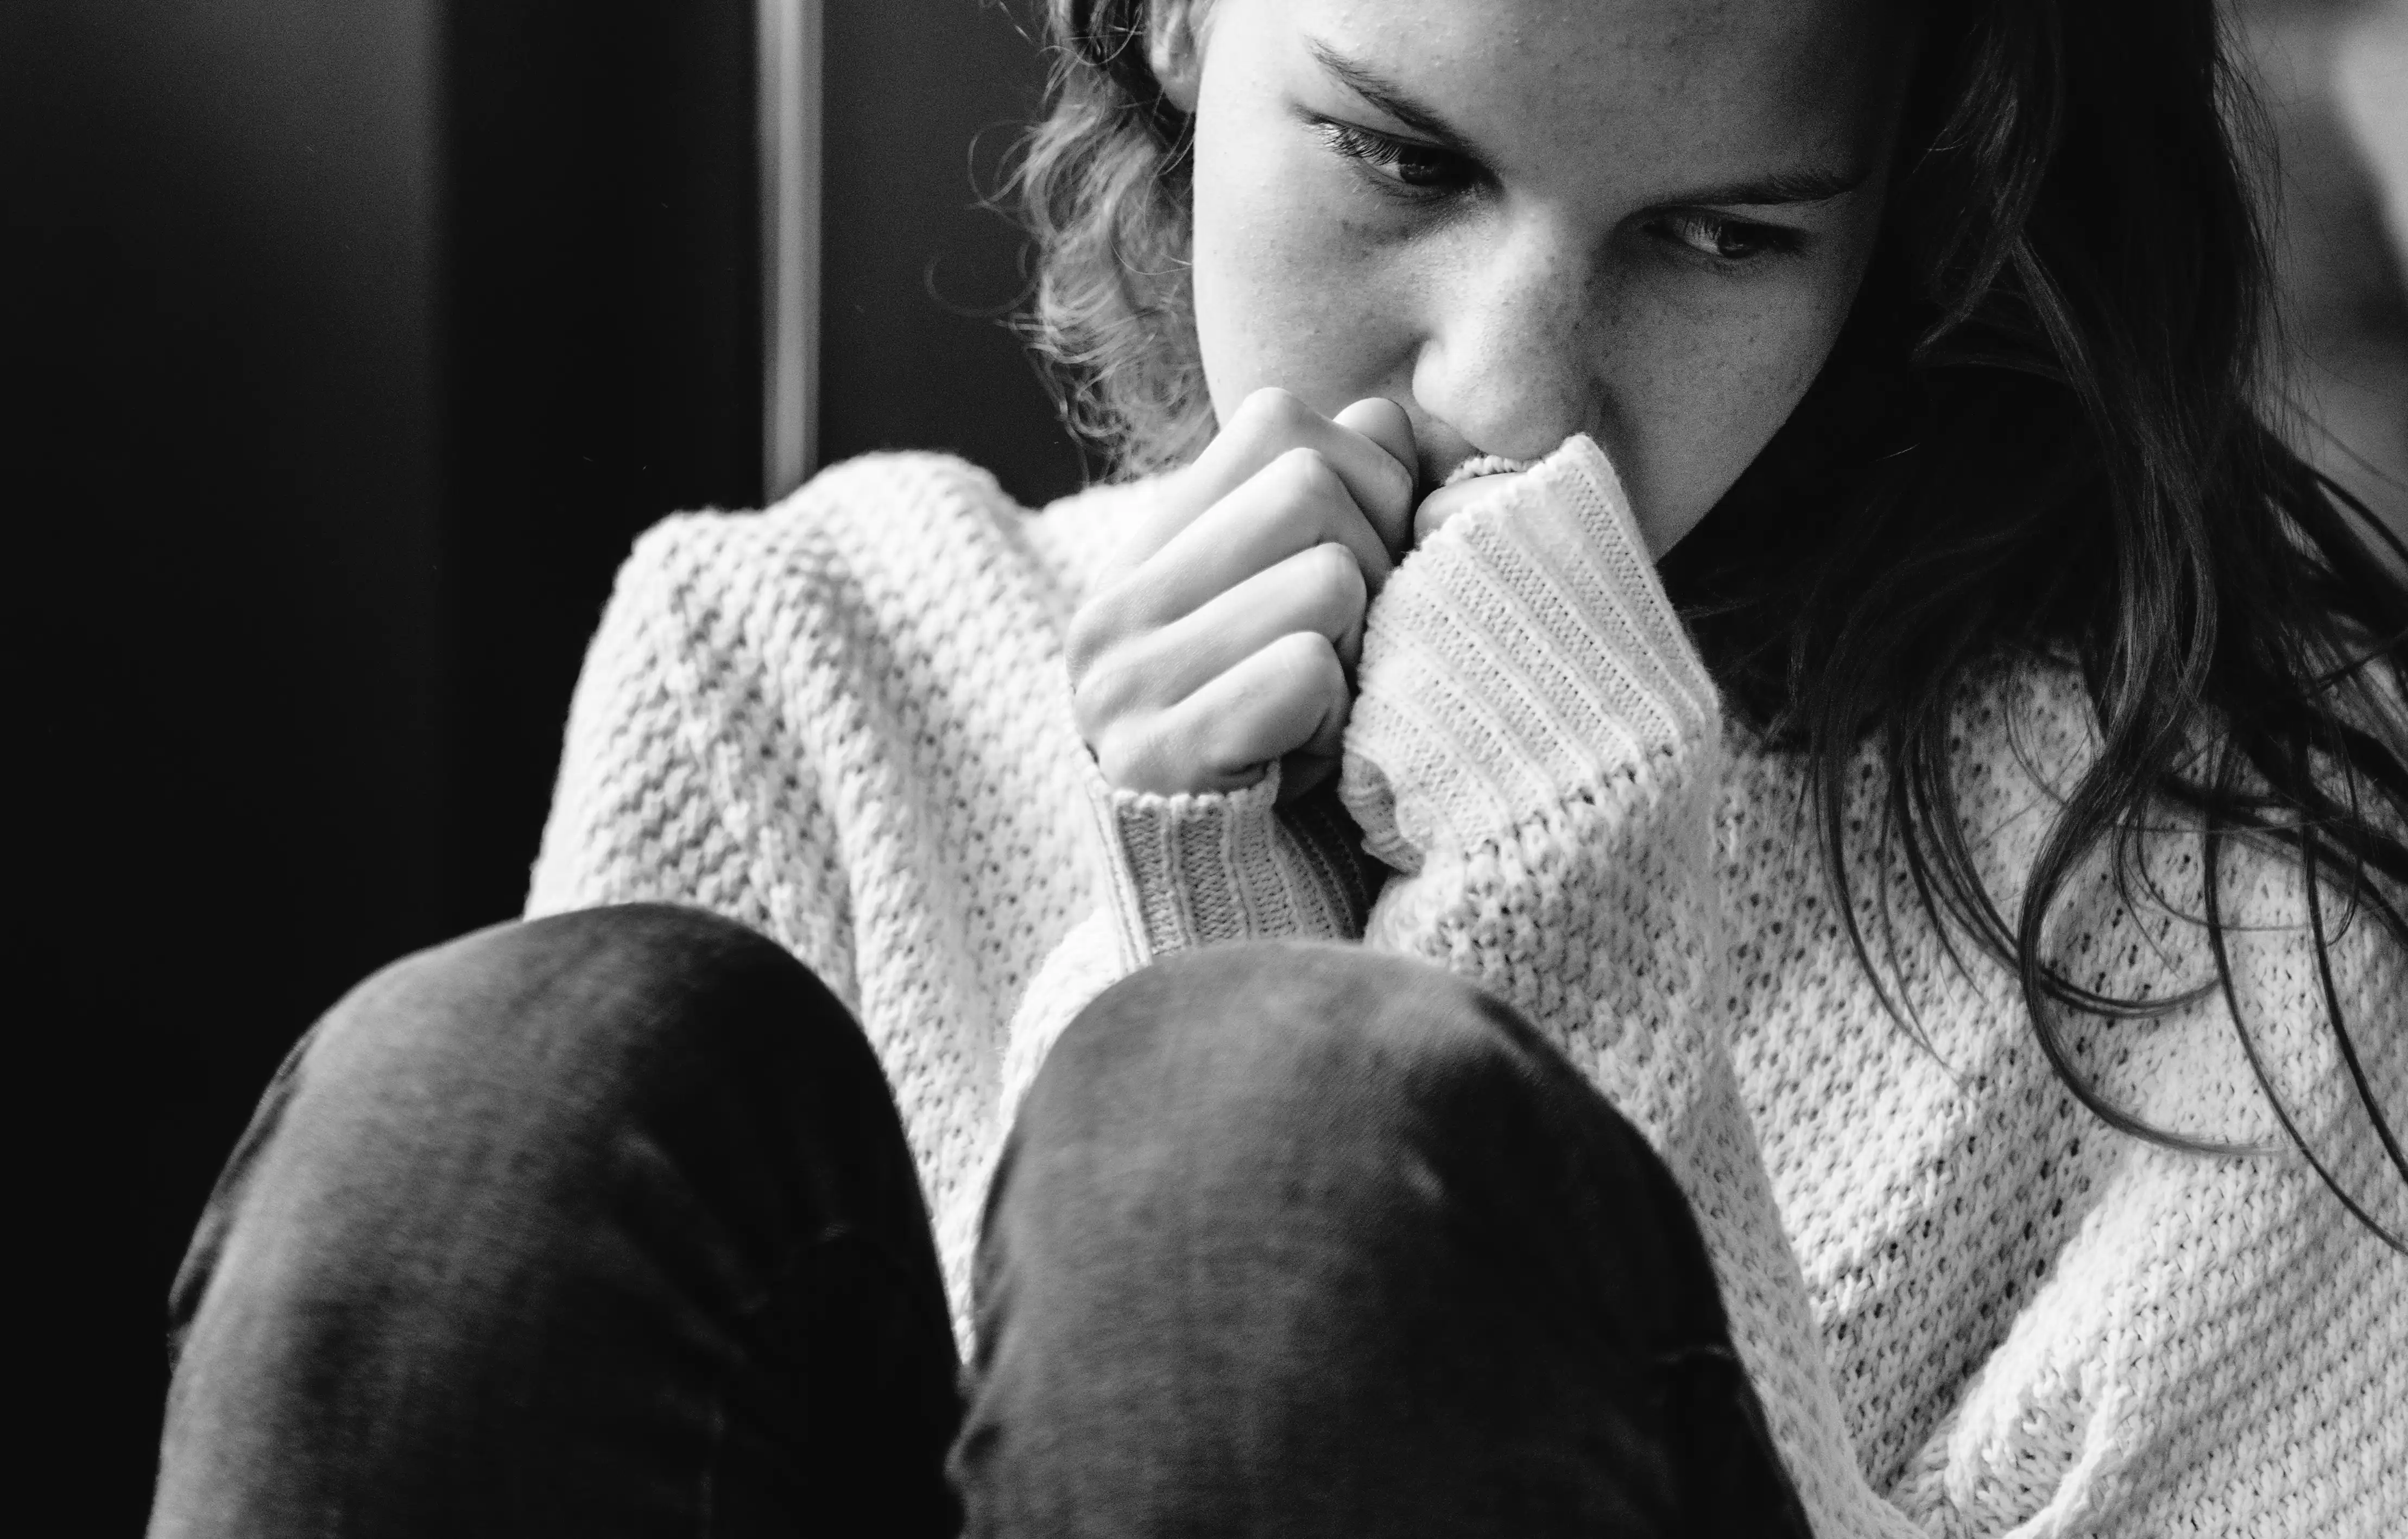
[884, 540]
[910, 512]
[879, 507]
[893, 621]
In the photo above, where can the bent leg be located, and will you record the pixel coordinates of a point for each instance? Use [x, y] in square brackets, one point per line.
[600, 1224]
[1302, 1239]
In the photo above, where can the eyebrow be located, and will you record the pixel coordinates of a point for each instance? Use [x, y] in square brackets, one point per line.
[1780, 188]
[1388, 96]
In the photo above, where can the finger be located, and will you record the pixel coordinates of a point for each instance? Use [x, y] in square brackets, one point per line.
[1272, 703]
[1293, 504]
[1319, 590]
[1449, 501]
[1386, 425]
[1267, 426]
[1283, 698]
[1270, 423]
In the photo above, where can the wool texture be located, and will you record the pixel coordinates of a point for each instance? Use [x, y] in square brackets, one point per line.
[1970, 1306]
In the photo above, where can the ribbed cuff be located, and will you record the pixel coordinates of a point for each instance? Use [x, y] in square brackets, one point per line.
[1523, 654]
[1199, 868]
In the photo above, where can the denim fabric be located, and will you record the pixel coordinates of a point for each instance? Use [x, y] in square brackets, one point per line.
[1299, 1238]
[605, 1225]
[597, 1225]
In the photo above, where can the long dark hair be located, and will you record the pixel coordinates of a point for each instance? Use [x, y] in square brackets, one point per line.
[2043, 436]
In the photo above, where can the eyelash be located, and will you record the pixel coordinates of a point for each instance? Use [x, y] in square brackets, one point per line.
[1387, 156]
[1703, 236]
[1700, 235]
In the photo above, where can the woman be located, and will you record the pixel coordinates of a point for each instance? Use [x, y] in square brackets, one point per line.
[1755, 521]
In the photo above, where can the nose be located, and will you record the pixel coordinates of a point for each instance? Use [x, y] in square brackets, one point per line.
[1512, 346]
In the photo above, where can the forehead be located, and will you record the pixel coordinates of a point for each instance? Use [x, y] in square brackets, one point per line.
[1700, 85]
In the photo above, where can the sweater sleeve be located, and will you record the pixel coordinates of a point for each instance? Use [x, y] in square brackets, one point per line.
[1197, 869]
[1175, 872]
[1537, 748]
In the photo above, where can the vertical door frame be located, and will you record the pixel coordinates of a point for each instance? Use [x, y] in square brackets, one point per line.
[792, 34]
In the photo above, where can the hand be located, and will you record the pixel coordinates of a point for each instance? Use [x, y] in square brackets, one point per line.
[1447, 500]
[1224, 633]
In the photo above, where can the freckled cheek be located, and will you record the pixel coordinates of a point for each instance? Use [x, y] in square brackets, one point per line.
[1289, 293]
[1697, 401]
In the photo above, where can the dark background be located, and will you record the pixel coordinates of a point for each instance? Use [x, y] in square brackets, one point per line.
[350, 344]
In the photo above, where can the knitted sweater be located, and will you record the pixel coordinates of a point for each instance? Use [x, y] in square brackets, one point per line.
[1970, 1307]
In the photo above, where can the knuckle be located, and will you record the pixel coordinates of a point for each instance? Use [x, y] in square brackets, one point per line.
[1091, 711]
[1121, 754]
[1337, 583]
[1110, 689]
[1308, 476]
[1112, 760]
[1096, 629]
[1089, 633]
[1274, 411]
[1342, 571]
[1328, 672]
[1397, 482]
[1309, 661]
[1230, 761]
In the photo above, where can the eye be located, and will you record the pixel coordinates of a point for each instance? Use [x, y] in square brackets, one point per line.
[1401, 165]
[1728, 241]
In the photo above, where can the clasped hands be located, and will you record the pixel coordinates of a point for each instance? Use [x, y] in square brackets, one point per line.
[1224, 633]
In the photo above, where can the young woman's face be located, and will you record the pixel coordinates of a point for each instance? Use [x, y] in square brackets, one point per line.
[1643, 220]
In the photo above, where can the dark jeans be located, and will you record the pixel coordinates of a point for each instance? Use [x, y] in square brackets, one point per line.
[605, 1224]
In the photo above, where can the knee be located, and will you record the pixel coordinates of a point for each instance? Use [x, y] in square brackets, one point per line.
[1375, 1095]
[504, 1153]
[475, 1094]
[556, 1063]
[580, 1007]
[1278, 1007]
[1203, 1066]
[1287, 1038]
[612, 959]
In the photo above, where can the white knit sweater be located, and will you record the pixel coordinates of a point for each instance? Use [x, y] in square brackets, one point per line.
[1970, 1307]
